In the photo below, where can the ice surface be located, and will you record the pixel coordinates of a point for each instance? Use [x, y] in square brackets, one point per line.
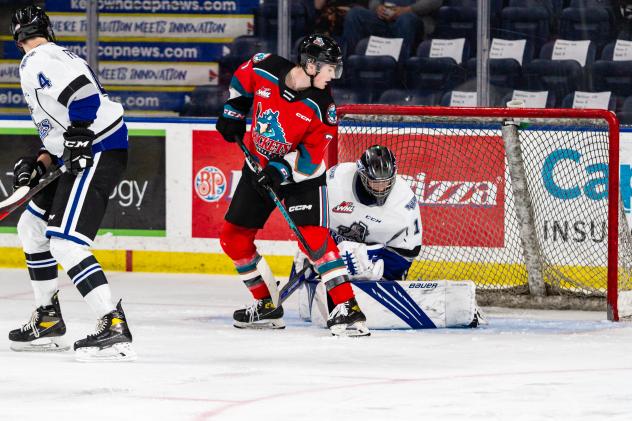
[193, 365]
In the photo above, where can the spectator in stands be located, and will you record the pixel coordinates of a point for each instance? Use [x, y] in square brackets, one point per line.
[391, 19]
[331, 14]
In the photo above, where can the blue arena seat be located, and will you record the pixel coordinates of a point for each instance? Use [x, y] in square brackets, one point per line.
[524, 19]
[456, 22]
[614, 76]
[206, 101]
[371, 74]
[559, 76]
[435, 73]
[241, 49]
[302, 16]
[504, 72]
[347, 96]
[407, 97]
[591, 23]
[625, 115]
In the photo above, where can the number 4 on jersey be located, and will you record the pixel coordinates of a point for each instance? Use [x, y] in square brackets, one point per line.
[44, 82]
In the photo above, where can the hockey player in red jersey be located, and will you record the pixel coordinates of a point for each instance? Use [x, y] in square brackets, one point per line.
[293, 121]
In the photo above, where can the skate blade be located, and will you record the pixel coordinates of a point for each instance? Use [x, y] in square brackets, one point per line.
[53, 344]
[356, 330]
[117, 352]
[268, 324]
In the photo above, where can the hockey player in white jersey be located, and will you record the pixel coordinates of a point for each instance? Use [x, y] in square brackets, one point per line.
[375, 219]
[374, 216]
[83, 130]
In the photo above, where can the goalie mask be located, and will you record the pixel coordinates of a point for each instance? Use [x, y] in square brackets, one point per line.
[377, 169]
[30, 22]
[320, 49]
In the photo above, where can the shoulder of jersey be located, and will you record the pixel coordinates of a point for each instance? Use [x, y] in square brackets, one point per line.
[404, 193]
[326, 105]
[342, 171]
[269, 62]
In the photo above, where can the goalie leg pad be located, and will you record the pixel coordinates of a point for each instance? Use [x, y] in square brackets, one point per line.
[409, 305]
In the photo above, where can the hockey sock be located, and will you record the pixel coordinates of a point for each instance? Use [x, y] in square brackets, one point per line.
[91, 282]
[333, 272]
[43, 272]
[341, 293]
[251, 277]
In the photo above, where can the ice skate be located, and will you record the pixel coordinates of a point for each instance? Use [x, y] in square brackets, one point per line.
[44, 332]
[111, 342]
[262, 314]
[346, 319]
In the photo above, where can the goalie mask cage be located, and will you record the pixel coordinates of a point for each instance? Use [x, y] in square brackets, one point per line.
[521, 201]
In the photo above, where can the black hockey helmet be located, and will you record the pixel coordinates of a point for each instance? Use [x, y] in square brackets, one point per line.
[30, 22]
[319, 49]
[377, 169]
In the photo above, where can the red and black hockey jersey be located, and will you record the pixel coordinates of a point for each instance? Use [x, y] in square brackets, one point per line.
[290, 129]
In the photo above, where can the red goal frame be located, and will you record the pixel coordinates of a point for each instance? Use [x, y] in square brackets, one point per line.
[549, 113]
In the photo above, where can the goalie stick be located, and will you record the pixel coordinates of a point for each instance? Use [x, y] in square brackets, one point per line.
[25, 193]
[293, 283]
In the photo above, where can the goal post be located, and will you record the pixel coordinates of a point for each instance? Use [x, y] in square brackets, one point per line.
[525, 202]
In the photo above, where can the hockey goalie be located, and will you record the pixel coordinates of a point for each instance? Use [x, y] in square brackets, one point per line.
[375, 220]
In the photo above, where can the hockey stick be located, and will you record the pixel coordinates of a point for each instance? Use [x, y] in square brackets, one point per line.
[293, 284]
[25, 193]
[314, 255]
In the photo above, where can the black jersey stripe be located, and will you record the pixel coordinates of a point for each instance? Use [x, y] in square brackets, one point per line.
[72, 87]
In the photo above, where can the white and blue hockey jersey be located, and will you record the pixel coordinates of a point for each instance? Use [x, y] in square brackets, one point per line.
[60, 88]
[396, 224]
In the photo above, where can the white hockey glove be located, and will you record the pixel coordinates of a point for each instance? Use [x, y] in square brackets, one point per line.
[358, 263]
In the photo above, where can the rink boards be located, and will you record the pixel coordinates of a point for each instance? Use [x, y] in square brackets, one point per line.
[190, 196]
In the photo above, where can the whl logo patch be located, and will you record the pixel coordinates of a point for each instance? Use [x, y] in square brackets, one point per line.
[264, 92]
[343, 207]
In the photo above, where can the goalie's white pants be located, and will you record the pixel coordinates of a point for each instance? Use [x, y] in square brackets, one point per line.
[399, 305]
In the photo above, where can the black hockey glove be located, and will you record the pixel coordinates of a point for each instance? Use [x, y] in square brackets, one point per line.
[268, 177]
[78, 149]
[231, 129]
[27, 172]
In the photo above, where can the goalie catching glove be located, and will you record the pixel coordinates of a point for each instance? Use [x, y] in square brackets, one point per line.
[359, 265]
[78, 148]
[27, 172]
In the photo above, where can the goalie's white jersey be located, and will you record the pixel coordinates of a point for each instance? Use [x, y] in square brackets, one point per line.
[396, 224]
[53, 79]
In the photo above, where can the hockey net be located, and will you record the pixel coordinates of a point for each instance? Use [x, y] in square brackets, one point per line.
[521, 201]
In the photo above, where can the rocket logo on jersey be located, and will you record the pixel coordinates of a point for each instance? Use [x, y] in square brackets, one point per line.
[268, 135]
[343, 207]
